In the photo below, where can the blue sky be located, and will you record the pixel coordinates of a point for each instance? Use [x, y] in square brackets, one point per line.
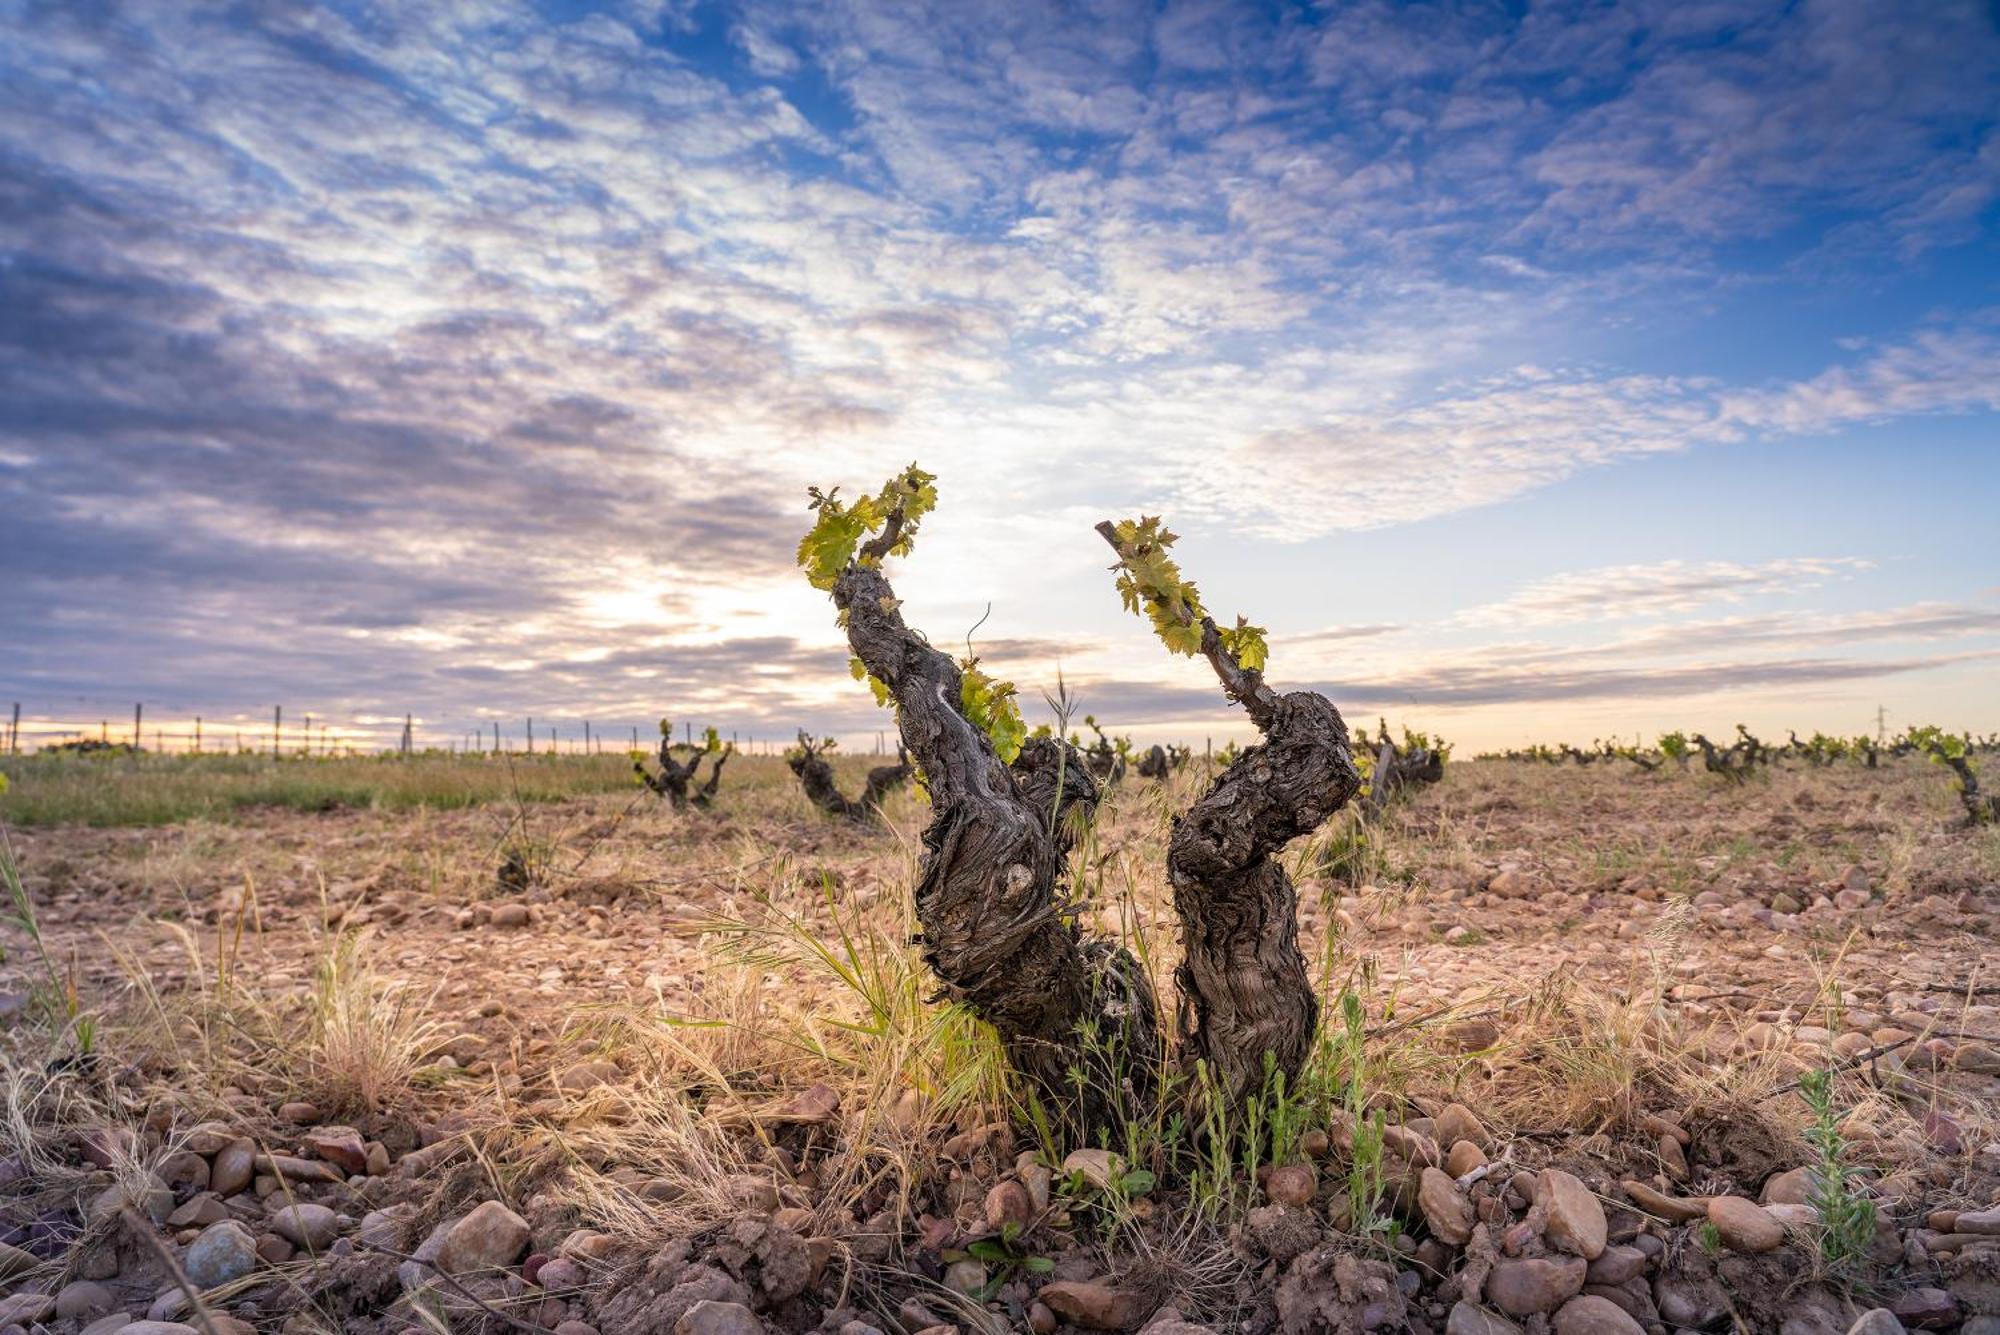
[1533, 372]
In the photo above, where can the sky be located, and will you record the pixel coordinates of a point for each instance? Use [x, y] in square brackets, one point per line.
[1533, 372]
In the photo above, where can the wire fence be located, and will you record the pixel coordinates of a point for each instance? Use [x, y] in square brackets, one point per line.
[282, 733]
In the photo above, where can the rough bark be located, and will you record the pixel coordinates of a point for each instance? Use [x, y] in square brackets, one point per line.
[674, 777]
[1245, 995]
[994, 928]
[1154, 766]
[808, 761]
[1396, 769]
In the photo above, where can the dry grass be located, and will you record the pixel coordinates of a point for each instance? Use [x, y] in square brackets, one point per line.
[808, 981]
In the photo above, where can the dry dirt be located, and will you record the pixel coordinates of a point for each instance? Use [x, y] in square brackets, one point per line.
[642, 1054]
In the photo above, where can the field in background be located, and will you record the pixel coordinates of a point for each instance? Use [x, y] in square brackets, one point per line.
[529, 981]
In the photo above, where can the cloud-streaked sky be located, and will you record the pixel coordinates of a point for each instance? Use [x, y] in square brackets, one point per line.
[1532, 375]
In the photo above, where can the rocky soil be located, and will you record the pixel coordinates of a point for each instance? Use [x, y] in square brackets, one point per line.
[1587, 996]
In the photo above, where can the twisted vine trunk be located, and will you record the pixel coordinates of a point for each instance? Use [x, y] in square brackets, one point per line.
[816, 778]
[673, 780]
[994, 855]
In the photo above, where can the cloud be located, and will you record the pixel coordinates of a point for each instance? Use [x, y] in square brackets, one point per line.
[1615, 592]
[421, 356]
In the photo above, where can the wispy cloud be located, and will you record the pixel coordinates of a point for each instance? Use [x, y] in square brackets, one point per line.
[1616, 592]
[432, 349]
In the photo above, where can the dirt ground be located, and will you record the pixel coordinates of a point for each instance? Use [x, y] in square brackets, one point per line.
[688, 1058]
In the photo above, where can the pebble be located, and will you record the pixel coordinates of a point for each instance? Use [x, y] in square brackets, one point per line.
[1446, 1207]
[306, 1225]
[1097, 1167]
[1096, 1304]
[1978, 1221]
[83, 1300]
[1470, 1319]
[709, 1317]
[1674, 1209]
[1877, 1321]
[1615, 1265]
[1744, 1225]
[1458, 1122]
[234, 1166]
[512, 916]
[1008, 1203]
[1463, 1157]
[1293, 1184]
[1576, 1219]
[490, 1237]
[1587, 1314]
[1791, 1187]
[341, 1146]
[299, 1114]
[26, 1308]
[1524, 1286]
[967, 1277]
[225, 1251]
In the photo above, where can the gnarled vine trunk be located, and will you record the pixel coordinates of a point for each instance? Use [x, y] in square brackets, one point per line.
[808, 761]
[673, 780]
[1077, 1014]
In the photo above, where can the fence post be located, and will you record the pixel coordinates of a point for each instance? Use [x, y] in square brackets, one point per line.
[531, 736]
[277, 730]
[138, 733]
[14, 731]
[586, 736]
[197, 732]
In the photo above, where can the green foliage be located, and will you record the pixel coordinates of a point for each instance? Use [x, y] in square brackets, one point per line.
[1675, 744]
[859, 671]
[1846, 1217]
[711, 740]
[990, 707]
[830, 546]
[1246, 644]
[1150, 584]
[1422, 741]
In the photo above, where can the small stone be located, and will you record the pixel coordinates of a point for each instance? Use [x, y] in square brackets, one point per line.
[709, 1317]
[1293, 1184]
[1588, 1315]
[1791, 1187]
[1463, 1157]
[1042, 1319]
[341, 1146]
[1744, 1225]
[966, 1277]
[1576, 1219]
[225, 1251]
[1458, 1122]
[491, 1237]
[24, 1309]
[1985, 1221]
[1446, 1207]
[513, 916]
[1097, 1167]
[306, 1225]
[1674, 1209]
[561, 1273]
[1469, 1319]
[1525, 1285]
[234, 1166]
[274, 1250]
[1616, 1265]
[1673, 1159]
[151, 1327]
[1877, 1321]
[1007, 1204]
[83, 1300]
[108, 1325]
[1097, 1304]
[199, 1212]
[298, 1114]
[1925, 1308]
